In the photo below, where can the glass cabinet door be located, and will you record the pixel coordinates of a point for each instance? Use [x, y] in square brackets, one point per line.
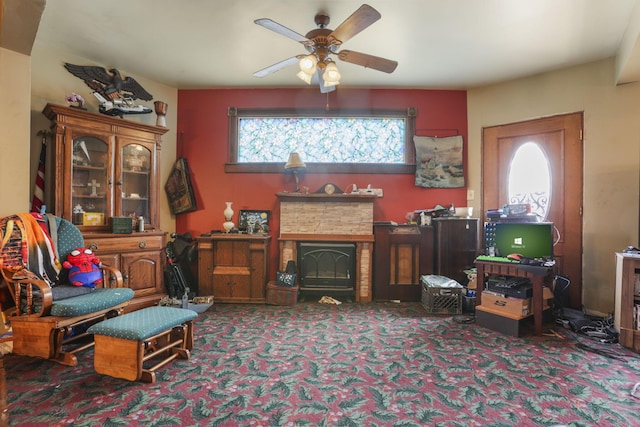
[135, 183]
[89, 181]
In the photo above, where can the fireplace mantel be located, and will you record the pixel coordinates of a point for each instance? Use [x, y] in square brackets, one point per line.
[304, 237]
[321, 197]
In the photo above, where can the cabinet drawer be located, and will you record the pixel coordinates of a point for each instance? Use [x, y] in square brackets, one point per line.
[223, 270]
[134, 242]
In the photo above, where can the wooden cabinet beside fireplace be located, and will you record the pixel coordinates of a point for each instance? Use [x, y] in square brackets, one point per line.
[455, 246]
[403, 253]
[397, 260]
[234, 268]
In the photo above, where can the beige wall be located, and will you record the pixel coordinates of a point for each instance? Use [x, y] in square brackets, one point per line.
[611, 156]
[14, 137]
[51, 82]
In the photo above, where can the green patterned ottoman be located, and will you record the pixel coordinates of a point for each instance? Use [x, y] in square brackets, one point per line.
[133, 346]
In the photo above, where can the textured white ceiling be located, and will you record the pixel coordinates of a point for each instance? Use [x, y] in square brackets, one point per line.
[438, 44]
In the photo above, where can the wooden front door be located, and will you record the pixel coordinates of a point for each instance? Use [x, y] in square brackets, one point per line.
[560, 139]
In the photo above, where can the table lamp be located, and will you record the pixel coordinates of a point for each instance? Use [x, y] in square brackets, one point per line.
[295, 165]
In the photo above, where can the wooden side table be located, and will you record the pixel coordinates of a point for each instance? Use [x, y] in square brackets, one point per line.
[234, 268]
[540, 277]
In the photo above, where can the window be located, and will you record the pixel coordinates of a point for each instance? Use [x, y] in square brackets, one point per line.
[347, 141]
[530, 179]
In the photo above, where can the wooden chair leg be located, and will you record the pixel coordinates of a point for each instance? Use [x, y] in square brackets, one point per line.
[50, 341]
[4, 410]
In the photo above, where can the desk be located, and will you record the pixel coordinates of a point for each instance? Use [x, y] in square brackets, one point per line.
[539, 276]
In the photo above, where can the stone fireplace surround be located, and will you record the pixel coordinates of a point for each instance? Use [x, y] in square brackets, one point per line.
[329, 218]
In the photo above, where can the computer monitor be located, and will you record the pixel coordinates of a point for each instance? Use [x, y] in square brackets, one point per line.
[532, 240]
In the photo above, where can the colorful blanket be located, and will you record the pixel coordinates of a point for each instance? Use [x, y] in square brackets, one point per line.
[26, 248]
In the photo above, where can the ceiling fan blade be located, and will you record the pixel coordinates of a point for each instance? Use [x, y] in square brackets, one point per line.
[281, 29]
[276, 67]
[368, 61]
[358, 21]
[317, 80]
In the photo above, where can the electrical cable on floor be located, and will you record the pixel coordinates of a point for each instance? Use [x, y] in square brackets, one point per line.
[601, 331]
[471, 318]
[602, 352]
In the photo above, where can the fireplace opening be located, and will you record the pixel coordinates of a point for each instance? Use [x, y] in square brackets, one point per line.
[327, 267]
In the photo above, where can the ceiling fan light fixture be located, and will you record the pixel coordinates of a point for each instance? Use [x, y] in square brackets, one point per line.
[331, 70]
[315, 64]
[328, 83]
[304, 77]
[331, 74]
[308, 64]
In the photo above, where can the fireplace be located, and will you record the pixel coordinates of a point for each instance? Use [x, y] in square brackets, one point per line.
[327, 267]
[337, 221]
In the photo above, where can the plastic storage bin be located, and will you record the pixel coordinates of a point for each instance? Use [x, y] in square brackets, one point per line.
[441, 295]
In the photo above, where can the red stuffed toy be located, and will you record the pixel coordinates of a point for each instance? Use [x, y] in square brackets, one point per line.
[84, 268]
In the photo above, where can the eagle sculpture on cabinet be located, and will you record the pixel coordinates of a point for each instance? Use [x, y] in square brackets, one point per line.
[115, 93]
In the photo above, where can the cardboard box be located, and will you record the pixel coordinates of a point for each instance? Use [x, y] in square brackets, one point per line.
[512, 306]
[281, 295]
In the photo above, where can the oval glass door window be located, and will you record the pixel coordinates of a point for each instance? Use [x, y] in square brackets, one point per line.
[529, 179]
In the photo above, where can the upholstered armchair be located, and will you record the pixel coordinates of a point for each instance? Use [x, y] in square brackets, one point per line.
[51, 315]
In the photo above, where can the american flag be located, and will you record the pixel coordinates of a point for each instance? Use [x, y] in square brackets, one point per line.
[38, 190]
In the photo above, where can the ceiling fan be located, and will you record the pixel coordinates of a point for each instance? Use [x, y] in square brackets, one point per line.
[318, 66]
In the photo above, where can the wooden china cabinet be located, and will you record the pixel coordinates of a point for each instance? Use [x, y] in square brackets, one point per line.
[105, 168]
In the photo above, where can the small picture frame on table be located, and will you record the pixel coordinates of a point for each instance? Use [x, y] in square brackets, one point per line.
[258, 219]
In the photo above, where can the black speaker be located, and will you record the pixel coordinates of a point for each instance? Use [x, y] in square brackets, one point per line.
[561, 292]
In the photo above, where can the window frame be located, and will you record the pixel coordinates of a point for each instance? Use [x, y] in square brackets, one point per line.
[408, 167]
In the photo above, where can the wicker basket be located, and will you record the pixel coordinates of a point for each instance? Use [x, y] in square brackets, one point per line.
[281, 295]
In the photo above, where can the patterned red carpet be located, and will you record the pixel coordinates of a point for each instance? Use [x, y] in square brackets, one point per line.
[377, 364]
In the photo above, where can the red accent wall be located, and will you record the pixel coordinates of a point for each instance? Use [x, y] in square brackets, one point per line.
[203, 141]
